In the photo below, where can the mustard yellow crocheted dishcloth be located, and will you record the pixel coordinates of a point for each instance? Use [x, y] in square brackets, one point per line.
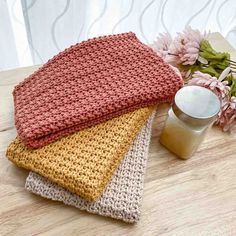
[83, 162]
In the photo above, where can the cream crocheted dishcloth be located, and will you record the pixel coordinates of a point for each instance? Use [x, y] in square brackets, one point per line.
[121, 199]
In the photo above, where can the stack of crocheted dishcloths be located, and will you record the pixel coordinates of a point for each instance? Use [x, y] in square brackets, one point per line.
[123, 195]
[77, 118]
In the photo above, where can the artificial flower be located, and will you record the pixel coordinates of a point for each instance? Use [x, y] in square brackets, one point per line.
[161, 46]
[185, 47]
[227, 115]
[220, 88]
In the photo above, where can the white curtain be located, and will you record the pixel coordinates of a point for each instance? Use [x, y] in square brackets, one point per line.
[32, 31]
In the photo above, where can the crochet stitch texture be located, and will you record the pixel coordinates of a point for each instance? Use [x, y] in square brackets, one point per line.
[85, 161]
[89, 83]
[123, 195]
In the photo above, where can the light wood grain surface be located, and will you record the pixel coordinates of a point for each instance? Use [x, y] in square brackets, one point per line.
[193, 197]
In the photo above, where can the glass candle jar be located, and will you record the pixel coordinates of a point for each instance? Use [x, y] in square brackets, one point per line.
[193, 112]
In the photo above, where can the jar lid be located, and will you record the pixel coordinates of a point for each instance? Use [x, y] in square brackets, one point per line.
[196, 105]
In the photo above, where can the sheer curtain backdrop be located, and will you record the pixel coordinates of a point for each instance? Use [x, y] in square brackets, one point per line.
[32, 31]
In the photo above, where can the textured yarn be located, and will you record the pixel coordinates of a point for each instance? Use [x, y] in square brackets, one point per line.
[85, 161]
[123, 195]
[89, 83]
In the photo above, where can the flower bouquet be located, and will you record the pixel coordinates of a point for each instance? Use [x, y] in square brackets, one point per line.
[199, 64]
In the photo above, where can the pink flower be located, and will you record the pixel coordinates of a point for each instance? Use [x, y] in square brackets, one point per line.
[227, 115]
[220, 88]
[185, 47]
[161, 46]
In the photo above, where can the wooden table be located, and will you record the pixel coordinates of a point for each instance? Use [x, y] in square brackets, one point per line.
[194, 197]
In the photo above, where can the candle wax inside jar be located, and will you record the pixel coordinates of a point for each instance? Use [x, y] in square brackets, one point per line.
[180, 138]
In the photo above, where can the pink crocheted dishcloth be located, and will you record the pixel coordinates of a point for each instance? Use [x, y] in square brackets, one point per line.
[89, 83]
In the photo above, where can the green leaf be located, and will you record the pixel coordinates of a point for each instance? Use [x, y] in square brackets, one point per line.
[209, 53]
[210, 70]
[218, 60]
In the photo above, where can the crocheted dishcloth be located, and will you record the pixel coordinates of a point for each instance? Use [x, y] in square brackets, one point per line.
[89, 83]
[85, 161]
[123, 195]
